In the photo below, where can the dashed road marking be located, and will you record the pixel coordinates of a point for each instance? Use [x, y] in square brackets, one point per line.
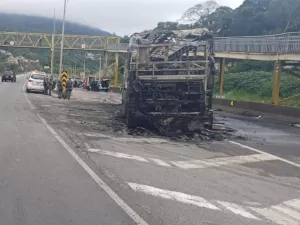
[294, 203]
[119, 155]
[173, 195]
[279, 214]
[222, 161]
[192, 164]
[160, 162]
[127, 139]
[127, 209]
[262, 152]
[236, 209]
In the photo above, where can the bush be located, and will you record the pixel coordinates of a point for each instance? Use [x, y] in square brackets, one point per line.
[259, 83]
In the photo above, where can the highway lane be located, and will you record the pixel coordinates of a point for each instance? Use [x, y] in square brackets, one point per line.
[168, 182]
[273, 137]
[40, 182]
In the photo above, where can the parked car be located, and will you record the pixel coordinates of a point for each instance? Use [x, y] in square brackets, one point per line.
[35, 82]
[99, 86]
[9, 76]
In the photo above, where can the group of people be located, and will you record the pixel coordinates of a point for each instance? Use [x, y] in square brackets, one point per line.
[48, 86]
[48, 83]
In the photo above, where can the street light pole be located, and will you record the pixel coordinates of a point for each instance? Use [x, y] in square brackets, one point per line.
[62, 37]
[84, 67]
[100, 65]
[75, 69]
[52, 45]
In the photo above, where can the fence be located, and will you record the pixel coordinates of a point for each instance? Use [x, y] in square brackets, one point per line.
[288, 43]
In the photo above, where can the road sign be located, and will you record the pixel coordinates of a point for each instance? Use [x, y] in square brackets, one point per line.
[64, 78]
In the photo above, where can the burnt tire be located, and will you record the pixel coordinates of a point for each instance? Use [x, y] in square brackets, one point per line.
[129, 110]
[210, 122]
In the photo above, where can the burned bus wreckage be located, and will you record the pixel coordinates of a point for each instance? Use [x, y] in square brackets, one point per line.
[168, 80]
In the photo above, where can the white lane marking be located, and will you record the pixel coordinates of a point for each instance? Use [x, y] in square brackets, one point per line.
[125, 139]
[160, 162]
[87, 146]
[173, 195]
[129, 211]
[119, 155]
[294, 203]
[132, 157]
[275, 216]
[30, 104]
[288, 211]
[93, 150]
[236, 209]
[217, 162]
[262, 152]
[252, 203]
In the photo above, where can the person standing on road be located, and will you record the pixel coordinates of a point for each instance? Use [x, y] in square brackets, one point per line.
[69, 88]
[50, 83]
[75, 83]
[45, 85]
[59, 88]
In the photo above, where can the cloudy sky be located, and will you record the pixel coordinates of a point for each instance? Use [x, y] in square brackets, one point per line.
[119, 16]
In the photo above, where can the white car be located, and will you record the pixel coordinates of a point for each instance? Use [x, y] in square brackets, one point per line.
[35, 82]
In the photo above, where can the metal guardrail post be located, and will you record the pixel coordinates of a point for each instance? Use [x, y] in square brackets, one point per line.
[116, 67]
[276, 83]
[221, 77]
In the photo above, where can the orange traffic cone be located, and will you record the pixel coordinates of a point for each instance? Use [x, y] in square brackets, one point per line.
[110, 95]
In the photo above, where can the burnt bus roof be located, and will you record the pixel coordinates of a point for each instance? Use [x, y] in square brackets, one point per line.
[157, 36]
[178, 41]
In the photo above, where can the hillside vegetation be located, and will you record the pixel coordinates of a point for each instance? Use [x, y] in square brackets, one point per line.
[257, 86]
[252, 80]
[38, 24]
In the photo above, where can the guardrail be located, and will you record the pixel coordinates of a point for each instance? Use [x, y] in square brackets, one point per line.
[276, 112]
[288, 43]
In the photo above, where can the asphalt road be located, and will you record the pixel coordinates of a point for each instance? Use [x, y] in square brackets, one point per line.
[125, 179]
[40, 182]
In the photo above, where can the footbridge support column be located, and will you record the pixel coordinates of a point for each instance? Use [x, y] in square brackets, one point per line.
[276, 83]
[221, 77]
[116, 68]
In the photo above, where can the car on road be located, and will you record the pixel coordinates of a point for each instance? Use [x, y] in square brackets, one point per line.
[99, 86]
[35, 82]
[9, 76]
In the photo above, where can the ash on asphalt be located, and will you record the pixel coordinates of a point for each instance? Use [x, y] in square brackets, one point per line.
[219, 131]
[107, 118]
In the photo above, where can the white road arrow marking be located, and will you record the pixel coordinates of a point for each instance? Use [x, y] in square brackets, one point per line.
[118, 155]
[286, 213]
[160, 162]
[173, 195]
[223, 161]
[127, 139]
[193, 164]
[236, 209]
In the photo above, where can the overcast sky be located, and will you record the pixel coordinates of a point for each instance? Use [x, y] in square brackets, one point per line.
[119, 16]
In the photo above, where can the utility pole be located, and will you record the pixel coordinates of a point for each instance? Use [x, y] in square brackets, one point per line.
[62, 38]
[52, 45]
[100, 67]
[75, 69]
[84, 67]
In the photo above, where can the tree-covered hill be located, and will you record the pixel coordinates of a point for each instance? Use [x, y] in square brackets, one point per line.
[38, 24]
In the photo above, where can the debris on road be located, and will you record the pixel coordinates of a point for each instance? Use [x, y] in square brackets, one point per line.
[106, 117]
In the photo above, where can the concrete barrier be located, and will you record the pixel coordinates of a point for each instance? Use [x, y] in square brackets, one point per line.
[115, 90]
[282, 113]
